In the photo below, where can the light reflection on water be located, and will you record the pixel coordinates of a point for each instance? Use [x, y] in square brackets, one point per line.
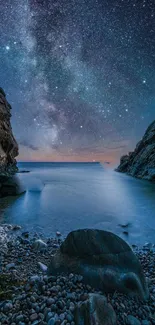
[69, 196]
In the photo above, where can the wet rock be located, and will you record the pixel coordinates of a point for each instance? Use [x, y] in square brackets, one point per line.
[147, 246]
[126, 225]
[16, 227]
[58, 234]
[125, 233]
[105, 261]
[40, 245]
[95, 311]
[25, 234]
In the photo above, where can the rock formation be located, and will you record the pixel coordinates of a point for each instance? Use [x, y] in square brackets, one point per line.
[141, 162]
[8, 147]
[105, 261]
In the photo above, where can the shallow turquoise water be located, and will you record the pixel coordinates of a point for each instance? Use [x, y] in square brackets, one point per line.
[66, 196]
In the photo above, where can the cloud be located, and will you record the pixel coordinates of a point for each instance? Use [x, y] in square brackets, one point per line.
[28, 145]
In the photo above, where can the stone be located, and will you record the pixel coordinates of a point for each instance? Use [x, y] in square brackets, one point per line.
[33, 317]
[10, 266]
[58, 234]
[145, 322]
[131, 320]
[16, 227]
[8, 306]
[40, 245]
[42, 266]
[25, 234]
[95, 311]
[105, 261]
[51, 321]
[19, 318]
[34, 278]
[50, 301]
[141, 162]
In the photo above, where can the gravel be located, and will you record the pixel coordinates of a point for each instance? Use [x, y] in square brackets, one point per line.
[29, 297]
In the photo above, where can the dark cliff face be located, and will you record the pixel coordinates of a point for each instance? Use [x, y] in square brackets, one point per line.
[8, 144]
[141, 162]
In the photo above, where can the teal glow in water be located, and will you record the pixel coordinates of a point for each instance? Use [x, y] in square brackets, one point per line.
[66, 196]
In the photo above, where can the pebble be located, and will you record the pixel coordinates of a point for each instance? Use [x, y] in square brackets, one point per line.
[42, 266]
[40, 245]
[33, 317]
[34, 278]
[8, 306]
[25, 234]
[51, 321]
[131, 320]
[10, 266]
[19, 318]
[39, 299]
[58, 233]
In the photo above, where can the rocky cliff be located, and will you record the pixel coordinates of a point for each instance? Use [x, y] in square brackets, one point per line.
[141, 162]
[8, 144]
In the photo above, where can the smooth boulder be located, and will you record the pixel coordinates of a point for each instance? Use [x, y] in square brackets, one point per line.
[95, 310]
[105, 261]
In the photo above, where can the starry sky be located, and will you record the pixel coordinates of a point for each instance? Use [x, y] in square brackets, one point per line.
[80, 76]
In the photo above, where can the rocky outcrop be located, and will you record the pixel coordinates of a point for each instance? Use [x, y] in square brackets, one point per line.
[8, 146]
[105, 261]
[141, 162]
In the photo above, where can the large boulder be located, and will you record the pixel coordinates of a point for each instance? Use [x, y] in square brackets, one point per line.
[105, 261]
[95, 311]
[141, 162]
[8, 148]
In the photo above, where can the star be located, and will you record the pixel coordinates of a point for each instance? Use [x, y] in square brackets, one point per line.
[77, 84]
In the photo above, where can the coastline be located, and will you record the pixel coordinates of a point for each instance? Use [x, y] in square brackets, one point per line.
[28, 296]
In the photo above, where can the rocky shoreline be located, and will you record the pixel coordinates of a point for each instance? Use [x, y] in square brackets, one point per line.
[141, 162]
[29, 296]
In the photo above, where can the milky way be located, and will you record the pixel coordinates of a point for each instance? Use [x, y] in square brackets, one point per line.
[80, 76]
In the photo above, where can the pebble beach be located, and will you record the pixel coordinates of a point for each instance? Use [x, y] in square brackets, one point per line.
[28, 296]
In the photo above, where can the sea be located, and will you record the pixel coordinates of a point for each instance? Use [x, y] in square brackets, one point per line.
[67, 196]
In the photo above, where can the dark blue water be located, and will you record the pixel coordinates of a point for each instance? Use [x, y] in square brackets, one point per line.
[66, 196]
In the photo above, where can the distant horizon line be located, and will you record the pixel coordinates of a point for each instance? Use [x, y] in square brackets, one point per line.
[66, 162]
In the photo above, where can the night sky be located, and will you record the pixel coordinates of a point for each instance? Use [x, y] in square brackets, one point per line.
[79, 74]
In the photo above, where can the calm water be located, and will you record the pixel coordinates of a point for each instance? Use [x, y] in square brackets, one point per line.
[66, 196]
